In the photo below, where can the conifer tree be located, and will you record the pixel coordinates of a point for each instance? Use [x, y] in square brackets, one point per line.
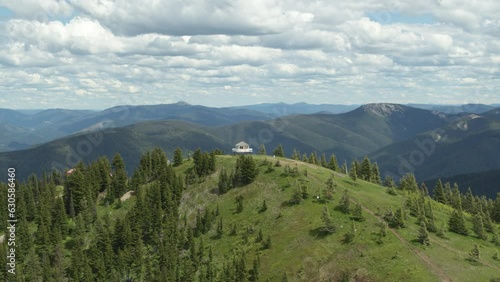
[296, 196]
[389, 182]
[447, 192]
[455, 197]
[424, 190]
[328, 226]
[423, 235]
[468, 203]
[474, 254]
[305, 158]
[375, 174]
[239, 203]
[278, 151]
[332, 163]
[255, 270]
[119, 182]
[357, 213]
[489, 226]
[456, 223]
[399, 218]
[323, 160]
[478, 226]
[178, 157]
[439, 194]
[353, 172]
[495, 211]
[313, 158]
[366, 169]
[295, 155]
[343, 169]
[224, 182]
[329, 189]
[262, 150]
[351, 233]
[344, 204]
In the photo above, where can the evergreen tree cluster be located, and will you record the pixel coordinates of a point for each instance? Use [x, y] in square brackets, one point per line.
[245, 172]
[61, 238]
[366, 170]
[204, 162]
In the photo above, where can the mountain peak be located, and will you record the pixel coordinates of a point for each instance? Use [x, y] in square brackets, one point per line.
[383, 109]
[182, 103]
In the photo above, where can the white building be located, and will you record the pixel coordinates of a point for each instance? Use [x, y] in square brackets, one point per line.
[242, 148]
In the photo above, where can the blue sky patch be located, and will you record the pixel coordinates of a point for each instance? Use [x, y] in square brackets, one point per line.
[386, 17]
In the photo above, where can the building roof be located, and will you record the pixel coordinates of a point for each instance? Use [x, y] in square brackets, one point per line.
[242, 144]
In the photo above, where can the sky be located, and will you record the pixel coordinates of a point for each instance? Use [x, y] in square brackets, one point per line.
[95, 54]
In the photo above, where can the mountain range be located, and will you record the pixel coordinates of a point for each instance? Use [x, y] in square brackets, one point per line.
[429, 143]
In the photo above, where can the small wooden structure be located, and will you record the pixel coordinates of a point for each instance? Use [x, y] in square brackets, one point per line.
[242, 148]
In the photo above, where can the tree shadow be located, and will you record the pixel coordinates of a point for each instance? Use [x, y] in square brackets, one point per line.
[215, 191]
[288, 203]
[318, 233]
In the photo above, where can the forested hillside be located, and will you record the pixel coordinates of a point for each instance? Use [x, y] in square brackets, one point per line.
[213, 217]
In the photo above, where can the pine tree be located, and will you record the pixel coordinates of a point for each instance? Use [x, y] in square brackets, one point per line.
[389, 182]
[239, 203]
[278, 151]
[332, 163]
[353, 172]
[366, 169]
[455, 197]
[329, 189]
[468, 202]
[296, 196]
[439, 194]
[474, 254]
[399, 218]
[357, 213]
[495, 211]
[478, 227]
[456, 223]
[262, 150]
[423, 235]
[119, 181]
[255, 269]
[351, 234]
[295, 155]
[225, 182]
[323, 160]
[447, 192]
[178, 157]
[220, 228]
[375, 174]
[344, 204]
[328, 226]
[489, 226]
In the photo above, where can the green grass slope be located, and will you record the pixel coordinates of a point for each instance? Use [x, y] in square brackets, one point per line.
[305, 254]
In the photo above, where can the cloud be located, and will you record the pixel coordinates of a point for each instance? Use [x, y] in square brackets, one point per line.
[193, 17]
[117, 52]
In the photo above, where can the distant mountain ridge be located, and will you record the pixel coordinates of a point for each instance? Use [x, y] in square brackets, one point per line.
[24, 130]
[470, 144]
[348, 135]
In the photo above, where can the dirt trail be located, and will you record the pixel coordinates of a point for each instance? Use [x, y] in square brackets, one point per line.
[451, 249]
[423, 257]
